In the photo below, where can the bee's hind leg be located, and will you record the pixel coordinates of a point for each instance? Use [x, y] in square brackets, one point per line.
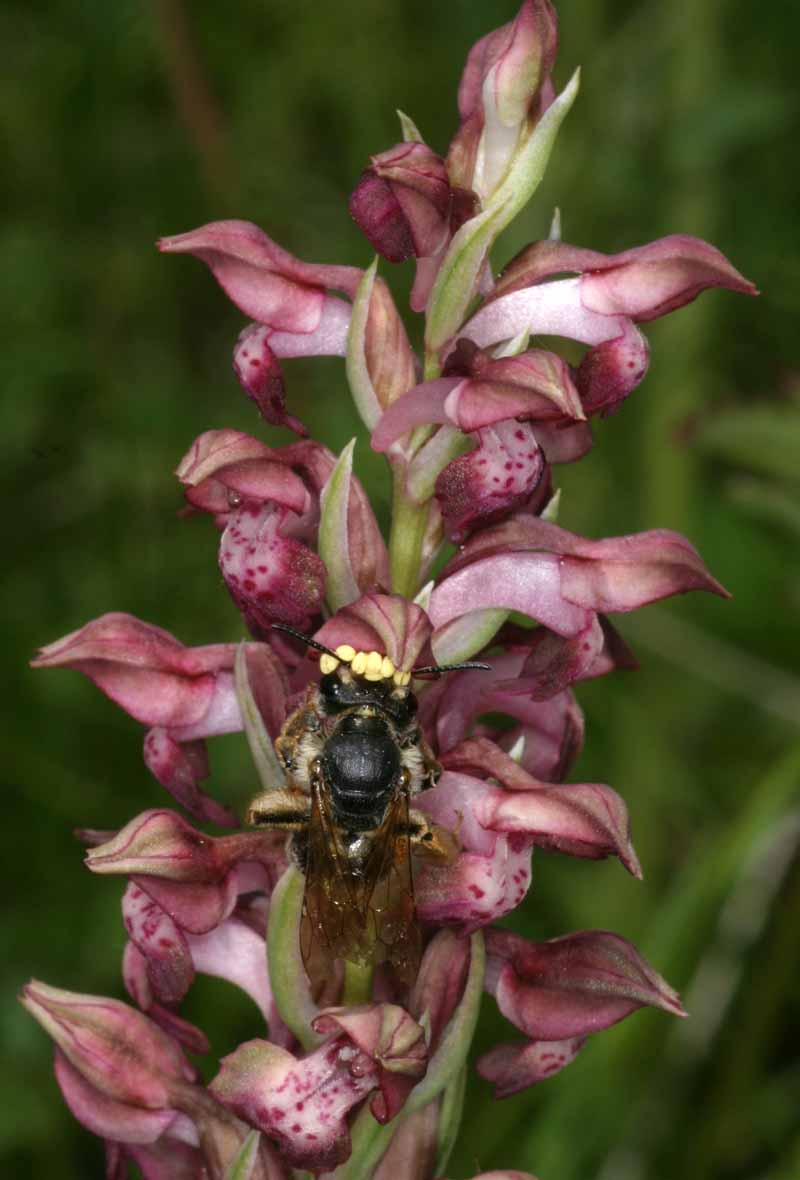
[431, 842]
[286, 811]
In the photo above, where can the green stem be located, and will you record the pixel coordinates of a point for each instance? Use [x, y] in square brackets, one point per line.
[357, 984]
[432, 367]
[409, 522]
[370, 1140]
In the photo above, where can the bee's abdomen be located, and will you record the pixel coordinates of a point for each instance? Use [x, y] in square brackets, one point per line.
[361, 763]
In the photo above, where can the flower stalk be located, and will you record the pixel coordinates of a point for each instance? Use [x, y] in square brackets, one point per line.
[401, 797]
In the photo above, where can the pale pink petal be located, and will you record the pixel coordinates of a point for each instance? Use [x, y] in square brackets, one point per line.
[266, 282]
[552, 309]
[106, 1116]
[523, 581]
[235, 952]
[420, 406]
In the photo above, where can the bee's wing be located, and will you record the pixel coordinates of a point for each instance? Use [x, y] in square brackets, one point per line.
[330, 896]
[364, 915]
[388, 900]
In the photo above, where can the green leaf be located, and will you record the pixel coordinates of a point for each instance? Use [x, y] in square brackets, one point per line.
[287, 975]
[269, 769]
[764, 440]
[361, 387]
[411, 133]
[456, 281]
[450, 1119]
[768, 502]
[341, 586]
[242, 1164]
[530, 161]
[463, 637]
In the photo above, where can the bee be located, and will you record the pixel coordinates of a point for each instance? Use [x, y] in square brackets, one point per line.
[354, 758]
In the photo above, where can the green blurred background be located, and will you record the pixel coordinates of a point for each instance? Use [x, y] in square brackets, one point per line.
[127, 120]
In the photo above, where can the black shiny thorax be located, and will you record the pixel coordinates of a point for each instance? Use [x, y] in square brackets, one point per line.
[361, 761]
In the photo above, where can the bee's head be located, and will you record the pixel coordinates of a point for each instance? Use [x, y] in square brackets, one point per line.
[351, 678]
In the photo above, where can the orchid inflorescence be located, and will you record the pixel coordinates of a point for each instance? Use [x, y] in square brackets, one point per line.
[472, 433]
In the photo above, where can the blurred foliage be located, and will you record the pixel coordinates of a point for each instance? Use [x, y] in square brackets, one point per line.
[127, 120]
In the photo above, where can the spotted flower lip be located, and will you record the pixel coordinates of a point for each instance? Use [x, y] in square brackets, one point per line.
[503, 473]
[303, 1103]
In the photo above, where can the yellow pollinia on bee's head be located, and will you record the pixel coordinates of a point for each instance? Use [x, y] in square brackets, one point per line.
[369, 664]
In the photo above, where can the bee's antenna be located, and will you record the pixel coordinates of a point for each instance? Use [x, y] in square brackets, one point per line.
[304, 639]
[437, 668]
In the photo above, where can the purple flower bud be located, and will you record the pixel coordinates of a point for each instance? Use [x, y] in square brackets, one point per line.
[573, 985]
[402, 202]
[116, 1049]
[505, 85]
[514, 60]
[222, 468]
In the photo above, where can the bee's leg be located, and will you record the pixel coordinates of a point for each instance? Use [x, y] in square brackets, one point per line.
[287, 811]
[430, 841]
